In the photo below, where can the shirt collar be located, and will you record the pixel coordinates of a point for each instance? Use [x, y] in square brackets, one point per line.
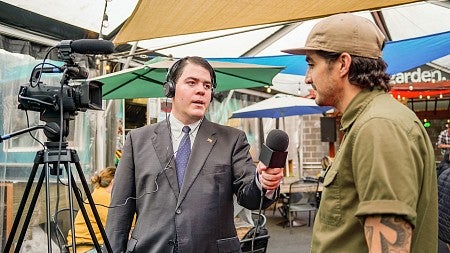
[357, 106]
[176, 126]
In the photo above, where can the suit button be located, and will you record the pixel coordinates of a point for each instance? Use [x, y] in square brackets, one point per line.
[171, 243]
[178, 211]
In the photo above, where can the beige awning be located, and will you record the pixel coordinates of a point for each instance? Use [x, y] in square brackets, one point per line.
[162, 18]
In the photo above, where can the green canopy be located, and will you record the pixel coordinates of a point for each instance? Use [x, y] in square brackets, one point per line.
[147, 81]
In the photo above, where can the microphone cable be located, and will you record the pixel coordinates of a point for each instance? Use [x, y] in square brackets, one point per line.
[143, 194]
[257, 223]
[166, 167]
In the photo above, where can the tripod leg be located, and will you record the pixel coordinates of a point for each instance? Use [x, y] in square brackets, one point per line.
[47, 207]
[71, 208]
[91, 201]
[30, 212]
[84, 213]
[23, 202]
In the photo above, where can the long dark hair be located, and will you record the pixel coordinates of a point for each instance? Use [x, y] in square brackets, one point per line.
[364, 72]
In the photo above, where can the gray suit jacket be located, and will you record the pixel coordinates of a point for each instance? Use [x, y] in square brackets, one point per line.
[200, 215]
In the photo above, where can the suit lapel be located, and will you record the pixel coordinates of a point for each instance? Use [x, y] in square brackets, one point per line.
[164, 150]
[204, 142]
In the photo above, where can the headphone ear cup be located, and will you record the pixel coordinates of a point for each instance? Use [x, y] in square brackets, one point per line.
[169, 89]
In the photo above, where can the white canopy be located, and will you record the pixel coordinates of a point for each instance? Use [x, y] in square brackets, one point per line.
[400, 22]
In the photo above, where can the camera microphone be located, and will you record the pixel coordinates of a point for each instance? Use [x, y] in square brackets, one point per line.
[273, 152]
[87, 46]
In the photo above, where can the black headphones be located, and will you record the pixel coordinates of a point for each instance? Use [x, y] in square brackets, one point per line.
[169, 84]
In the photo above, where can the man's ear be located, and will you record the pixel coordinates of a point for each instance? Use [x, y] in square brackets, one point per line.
[344, 61]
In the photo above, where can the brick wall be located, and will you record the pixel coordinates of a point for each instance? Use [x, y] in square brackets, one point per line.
[305, 147]
[313, 148]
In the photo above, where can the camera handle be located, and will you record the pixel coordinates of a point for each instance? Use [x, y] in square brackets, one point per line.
[8, 136]
[51, 129]
[51, 155]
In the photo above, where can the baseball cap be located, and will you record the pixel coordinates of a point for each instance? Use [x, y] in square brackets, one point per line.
[344, 33]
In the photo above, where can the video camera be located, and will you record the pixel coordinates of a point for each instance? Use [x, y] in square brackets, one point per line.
[87, 95]
[49, 100]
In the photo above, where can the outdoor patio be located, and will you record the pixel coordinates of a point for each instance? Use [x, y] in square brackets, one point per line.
[282, 240]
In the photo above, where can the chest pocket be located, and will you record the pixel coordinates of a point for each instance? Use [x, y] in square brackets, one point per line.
[330, 205]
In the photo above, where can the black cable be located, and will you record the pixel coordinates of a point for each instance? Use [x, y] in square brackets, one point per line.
[166, 167]
[42, 64]
[145, 193]
[257, 221]
[58, 164]
[28, 125]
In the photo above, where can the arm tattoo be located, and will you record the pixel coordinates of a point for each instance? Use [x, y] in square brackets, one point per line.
[388, 234]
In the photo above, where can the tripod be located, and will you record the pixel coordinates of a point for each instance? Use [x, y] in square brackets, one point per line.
[52, 154]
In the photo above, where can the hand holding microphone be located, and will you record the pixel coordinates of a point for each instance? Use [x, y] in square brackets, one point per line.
[273, 159]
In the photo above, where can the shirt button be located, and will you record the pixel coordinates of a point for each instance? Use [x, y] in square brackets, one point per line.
[171, 243]
[178, 211]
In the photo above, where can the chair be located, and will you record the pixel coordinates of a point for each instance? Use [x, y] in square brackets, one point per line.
[300, 200]
[61, 225]
[258, 242]
[281, 201]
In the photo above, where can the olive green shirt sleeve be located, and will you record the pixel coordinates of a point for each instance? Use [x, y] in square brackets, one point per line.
[385, 163]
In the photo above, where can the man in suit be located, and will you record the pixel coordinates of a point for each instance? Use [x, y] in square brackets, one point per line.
[194, 212]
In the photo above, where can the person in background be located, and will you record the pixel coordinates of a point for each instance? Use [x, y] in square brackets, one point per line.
[119, 142]
[444, 164]
[444, 204]
[103, 182]
[326, 164]
[179, 175]
[444, 140]
[380, 193]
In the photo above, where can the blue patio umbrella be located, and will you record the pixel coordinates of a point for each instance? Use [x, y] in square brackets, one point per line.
[279, 106]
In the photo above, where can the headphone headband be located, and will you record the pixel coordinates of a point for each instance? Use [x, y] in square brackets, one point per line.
[169, 84]
[173, 68]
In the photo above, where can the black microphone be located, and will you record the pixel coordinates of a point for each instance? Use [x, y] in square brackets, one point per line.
[87, 46]
[273, 152]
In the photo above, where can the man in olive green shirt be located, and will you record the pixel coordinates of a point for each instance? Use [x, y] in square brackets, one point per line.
[380, 194]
